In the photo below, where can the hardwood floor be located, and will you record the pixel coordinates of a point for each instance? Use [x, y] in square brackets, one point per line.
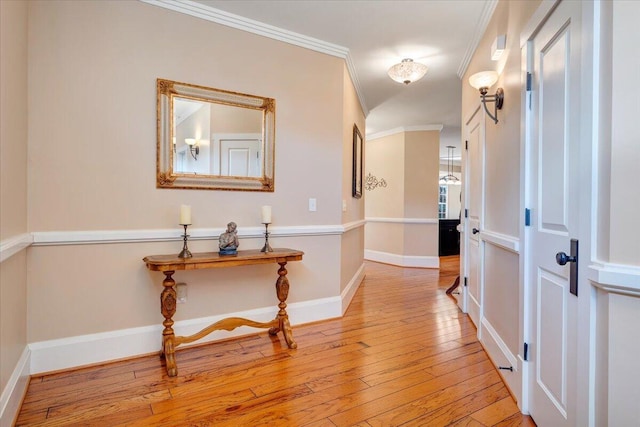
[403, 354]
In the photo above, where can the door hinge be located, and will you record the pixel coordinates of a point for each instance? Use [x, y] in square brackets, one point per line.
[525, 355]
[529, 88]
[465, 281]
[466, 213]
[466, 145]
[527, 217]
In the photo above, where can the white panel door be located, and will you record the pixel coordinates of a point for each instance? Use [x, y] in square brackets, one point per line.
[240, 157]
[474, 185]
[555, 124]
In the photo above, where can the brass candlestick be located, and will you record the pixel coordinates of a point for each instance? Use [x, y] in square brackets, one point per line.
[266, 247]
[185, 253]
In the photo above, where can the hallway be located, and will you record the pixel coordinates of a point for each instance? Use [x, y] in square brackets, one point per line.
[403, 354]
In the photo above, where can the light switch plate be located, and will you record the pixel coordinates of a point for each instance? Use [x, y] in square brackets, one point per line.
[312, 205]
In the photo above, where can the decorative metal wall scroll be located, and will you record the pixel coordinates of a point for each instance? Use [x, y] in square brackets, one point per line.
[371, 182]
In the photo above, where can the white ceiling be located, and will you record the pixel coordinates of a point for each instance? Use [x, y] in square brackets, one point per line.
[442, 34]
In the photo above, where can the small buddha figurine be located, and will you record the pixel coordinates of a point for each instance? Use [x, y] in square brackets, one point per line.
[228, 241]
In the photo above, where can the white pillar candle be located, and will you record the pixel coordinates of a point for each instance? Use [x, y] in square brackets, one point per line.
[266, 214]
[185, 215]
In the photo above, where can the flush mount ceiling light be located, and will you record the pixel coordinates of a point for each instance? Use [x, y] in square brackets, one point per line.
[483, 81]
[407, 71]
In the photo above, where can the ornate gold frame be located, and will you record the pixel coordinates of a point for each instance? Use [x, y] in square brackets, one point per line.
[165, 176]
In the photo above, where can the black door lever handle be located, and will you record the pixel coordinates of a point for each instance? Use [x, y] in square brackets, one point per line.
[562, 258]
[475, 231]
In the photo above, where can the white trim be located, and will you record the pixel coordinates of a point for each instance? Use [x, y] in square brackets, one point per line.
[45, 238]
[13, 245]
[238, 22]
[502, 346]
[14, 391]
[536, 21]
[402, 260]
[83, 350]
[353, 225]
[401, 129]
[350, 290]
[505, 241]
[481, 27]
[616, 278]
[403, 220]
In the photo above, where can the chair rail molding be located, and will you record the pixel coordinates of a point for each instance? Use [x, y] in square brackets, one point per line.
[13, 245]
[403, 220]
[55, 238]
[505, 241]
[615, 278]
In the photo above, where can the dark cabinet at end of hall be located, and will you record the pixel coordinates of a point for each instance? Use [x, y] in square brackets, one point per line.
[449, 237]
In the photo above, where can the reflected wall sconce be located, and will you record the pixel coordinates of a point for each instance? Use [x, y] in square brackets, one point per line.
[407, 71]
[483, 81]
[194, 148]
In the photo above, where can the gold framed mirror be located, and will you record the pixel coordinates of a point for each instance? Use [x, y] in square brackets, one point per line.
[213, 139]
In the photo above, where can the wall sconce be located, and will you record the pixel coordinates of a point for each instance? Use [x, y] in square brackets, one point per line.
[483, 81]
[194, 149]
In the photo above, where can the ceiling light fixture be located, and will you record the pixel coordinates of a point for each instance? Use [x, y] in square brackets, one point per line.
[449, 178]
[483, 81]
[407, 71]
[194, 148]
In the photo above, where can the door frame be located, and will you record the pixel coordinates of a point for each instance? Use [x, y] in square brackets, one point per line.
[463, 301]
[589, 120]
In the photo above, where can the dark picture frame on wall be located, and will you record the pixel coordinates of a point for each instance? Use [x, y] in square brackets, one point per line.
[358, 147]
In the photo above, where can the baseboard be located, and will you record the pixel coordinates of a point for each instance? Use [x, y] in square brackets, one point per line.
[14, 391]
[351, 288]
[493, 335]
[402, 260]
[501, 356]
[66, 353]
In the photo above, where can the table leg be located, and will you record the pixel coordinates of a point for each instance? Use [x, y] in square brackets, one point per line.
[282, 290]
[168, 309]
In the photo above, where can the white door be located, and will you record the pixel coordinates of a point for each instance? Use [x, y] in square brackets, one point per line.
[240, 157]
[553, 156]
[474, 203]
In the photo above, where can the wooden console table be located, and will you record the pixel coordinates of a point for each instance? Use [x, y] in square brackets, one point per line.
[168, 264]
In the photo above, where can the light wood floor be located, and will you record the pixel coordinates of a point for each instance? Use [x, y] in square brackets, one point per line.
[402, 355]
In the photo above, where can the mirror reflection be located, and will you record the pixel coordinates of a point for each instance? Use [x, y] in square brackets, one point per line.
[214, 139]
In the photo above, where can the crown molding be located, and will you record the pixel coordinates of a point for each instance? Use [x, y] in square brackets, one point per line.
[238, 22]
[402, 129]
[485, 17]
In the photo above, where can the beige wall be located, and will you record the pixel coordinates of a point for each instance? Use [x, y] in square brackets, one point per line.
[625, 134]
[99, 141]
[385, 160]
[13, 182]
[409, 164]
[501, 269]
[502, 155]
[92, 133]
[352, 245]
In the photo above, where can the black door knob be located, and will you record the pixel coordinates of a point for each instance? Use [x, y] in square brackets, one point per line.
[562, 258]
[475, 231]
